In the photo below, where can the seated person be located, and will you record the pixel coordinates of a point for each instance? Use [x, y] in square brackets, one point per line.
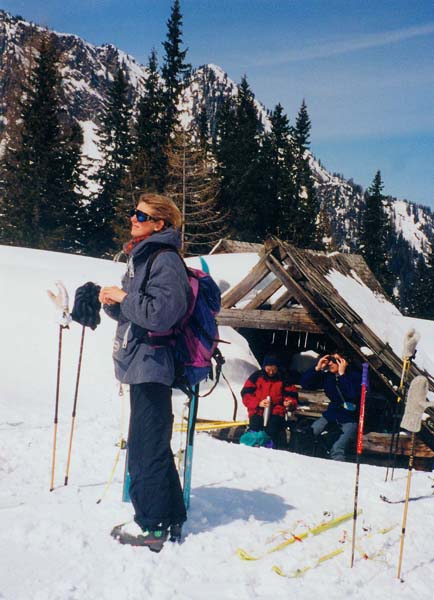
[268, 387]
[342, 386]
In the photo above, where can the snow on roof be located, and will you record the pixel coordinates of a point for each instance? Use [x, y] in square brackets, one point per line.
[382, 317]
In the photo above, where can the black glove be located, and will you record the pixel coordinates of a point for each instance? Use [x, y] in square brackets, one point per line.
[87, 306]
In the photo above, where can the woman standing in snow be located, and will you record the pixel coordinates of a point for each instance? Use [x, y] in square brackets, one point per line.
[151, 300]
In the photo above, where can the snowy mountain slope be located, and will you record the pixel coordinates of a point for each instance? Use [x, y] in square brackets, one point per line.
[56, 545]
[87, 71]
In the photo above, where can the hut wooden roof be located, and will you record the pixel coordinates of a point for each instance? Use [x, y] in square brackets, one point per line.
[308, 302]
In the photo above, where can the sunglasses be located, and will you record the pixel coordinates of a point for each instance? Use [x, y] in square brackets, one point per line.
[141, 216]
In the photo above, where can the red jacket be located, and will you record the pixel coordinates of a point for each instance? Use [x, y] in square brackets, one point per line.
[258, 386]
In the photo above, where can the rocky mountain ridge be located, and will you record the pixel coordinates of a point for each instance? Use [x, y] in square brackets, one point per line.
[87, 71]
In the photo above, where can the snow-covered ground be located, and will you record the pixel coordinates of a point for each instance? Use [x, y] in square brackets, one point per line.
[56, 545]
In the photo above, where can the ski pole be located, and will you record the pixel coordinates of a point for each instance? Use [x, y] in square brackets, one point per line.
[188, 459]
[411, 421]
[411, 341]
[61, 302]
[74, 408]
[122, 444]
[394, 440]
[407, 496]
[359, 452]
[56, 408]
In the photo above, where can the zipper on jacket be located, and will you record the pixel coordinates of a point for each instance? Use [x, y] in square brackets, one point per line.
[125, 340]
[130, 267]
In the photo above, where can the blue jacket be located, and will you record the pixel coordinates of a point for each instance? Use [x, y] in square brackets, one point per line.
[163, 303]
[343, 406]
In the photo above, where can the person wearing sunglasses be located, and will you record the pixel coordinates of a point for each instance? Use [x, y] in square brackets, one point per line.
[150, 301]
[341, 385]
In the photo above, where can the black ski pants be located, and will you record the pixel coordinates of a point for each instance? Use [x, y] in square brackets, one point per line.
[155, 489]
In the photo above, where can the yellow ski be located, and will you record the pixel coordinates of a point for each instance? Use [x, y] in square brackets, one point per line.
[302, 571]
[325, 526]
[325, 557]
[211, 426]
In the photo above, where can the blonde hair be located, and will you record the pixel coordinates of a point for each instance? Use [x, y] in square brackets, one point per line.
[164, 208]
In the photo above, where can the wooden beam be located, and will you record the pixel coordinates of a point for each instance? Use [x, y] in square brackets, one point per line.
[287, 319]
[264, 294]
[380, 443]
[282, 300]
[257, 274]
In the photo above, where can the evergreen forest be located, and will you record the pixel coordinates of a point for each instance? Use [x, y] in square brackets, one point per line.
[232, 177]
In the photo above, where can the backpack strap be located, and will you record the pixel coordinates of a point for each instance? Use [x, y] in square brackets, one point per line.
[165, 338]
[150, 262]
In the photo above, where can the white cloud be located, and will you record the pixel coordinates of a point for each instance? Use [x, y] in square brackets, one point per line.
[347, 45]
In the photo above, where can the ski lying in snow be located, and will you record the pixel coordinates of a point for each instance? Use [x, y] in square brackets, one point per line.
[211, 426]
[312, 531]
[305, 569]
[329, 555]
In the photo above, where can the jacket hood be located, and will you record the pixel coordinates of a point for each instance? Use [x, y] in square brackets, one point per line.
[167, 237]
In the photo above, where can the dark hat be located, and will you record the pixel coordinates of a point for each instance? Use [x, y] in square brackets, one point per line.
[270, 359]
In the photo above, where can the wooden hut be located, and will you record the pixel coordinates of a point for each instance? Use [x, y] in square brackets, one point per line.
[287, 297]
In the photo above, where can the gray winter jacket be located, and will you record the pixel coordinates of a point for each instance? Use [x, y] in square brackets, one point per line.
[163, 303]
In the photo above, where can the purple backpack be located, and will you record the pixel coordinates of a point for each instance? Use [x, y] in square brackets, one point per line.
[195, 337]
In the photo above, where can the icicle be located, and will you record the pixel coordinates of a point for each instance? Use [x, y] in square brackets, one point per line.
[305, 340]
[272, 339]
[286, 338]
[299, 341]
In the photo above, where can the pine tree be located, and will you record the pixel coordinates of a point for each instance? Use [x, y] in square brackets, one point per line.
[302, 128]
[194, 187]
[375, 235]
[150, 161]
[175, 69]
[276, 183]
[115, 148]
[421, 289]
[76, 228]
[238, 150]
[41, 204]
[306, 226]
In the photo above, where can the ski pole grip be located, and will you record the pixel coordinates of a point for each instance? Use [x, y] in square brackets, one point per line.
[365, 368]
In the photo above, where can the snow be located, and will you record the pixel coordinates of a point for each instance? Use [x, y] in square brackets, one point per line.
[90, 140]
[384, 318]
[56, 545]
[407, 225]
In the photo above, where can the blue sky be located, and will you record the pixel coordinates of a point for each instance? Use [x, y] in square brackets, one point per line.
[364, 67]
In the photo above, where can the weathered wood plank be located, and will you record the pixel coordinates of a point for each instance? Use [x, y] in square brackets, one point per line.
[264, 294]
[225, 246]
[287, 319]
[380, 443]
[257, 274]
[282, 300]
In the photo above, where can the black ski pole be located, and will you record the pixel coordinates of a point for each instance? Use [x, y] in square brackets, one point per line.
[74, 408]
[359, 452]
